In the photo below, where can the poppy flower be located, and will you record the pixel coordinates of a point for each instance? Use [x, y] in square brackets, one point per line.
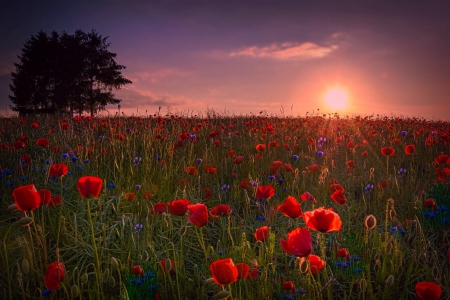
[238, 160]
[243, 269]
[19, 145]
[288, 286]
[25, 159]
[364, 154]
[56, 201]
[46, 196]
[343, 252]
[410, 149]
[57, 170]
[148, 195]
[428, 290]
[231, 153]
[274, 166]
[387, 151]
[291, 208]
[397, 142]
[350, 164]
[90, 186]
[42, 142]
[130, 196]
[34, 125]
[265, 192]
[323, 220]
[260, 147]
[224, 271]
[26, 198]
[431, 203]
[306, 196]
[210, 169]
[244, 185]
[54, 275]
[253, 274]
[168, 264]
[442, 159]
[137, 270]
[262, 233]
[334, 186]
[220, 210]
[298, 242]
[56, 149]
[315, 263]
[179, 207]
[273, 144]
[191, 170]
[339, 197]
[207, 193]
[159, 208]
[198, 214]
[64, 126]
[384, 183]
[313, 168]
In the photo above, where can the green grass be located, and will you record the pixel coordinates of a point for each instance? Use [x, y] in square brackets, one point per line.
[408, 245]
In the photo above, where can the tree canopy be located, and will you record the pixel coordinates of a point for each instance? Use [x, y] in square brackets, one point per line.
[66, 73]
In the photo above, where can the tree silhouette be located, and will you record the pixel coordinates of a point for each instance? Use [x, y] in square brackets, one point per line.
[67, 73]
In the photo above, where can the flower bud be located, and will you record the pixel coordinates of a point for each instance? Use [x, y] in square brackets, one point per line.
[25, 221]
[222, 295]
[114, 262]
[25, 266]
[370, 222]
[390, 280]
[111, 281]
[84, 278]
[74, 291]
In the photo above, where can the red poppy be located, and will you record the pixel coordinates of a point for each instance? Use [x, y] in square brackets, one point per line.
[431, 203]
[57, 170]
[159, 208]
[213, 134]
[265, 192]
[191, 170]
[339, 197]
[334, 186]
[26, 198]
[130, 196]
[210, 169]
[24, 139]
[34, 125]
[244, 185]
[25, 159]
[90, 186]
[148, 195]
[137, 270]
[428, 290]
[208, 193]
[56, 149]
[167, 265]
[397, 142]
[56, 201]
[262, 233]
[306, 196]
[323, 220]
[273, 144]
[288, 286]
[220, 210]
[260, 147]
[46, 196]
[243, 269]
[315, 263]
[179, 207]
[313, 168]
[298, 242]
[350, 164]
[231, 153]
[43, 142]
[343, 252]
[65, 126]
[198, 214]
[238, 160]
[442, 159]
[274, 166]
[217, 143]
[224, 271]
[364, 154]
[387, 151]
[19, 145]
[54, 275]
[384, 183]
[291, 208]
[410, 149]
[253, 274]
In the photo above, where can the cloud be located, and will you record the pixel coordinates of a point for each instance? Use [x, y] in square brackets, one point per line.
[287, 51]
[157, 75]
[6, 70]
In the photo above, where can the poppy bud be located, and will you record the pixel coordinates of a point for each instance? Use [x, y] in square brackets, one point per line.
[209, 281]
[74, 291]
[222, 295]
[370, 222]
[12, 207]
[25, 221]
[111, 281]
[390, 280]
[114, 263]
[84, 278]
[106, 275]
[25, 266]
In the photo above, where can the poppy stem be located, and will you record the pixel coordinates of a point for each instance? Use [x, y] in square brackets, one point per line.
[94, 247]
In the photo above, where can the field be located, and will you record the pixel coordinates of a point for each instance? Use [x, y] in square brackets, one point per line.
[275, 207]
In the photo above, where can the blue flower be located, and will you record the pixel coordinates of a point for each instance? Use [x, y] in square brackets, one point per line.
[357, 270]
[442, 208]
[46, 293]
[198, 161]
[86, 161]
[23, 178]
[149, 275]
[319, 153]
[280, 180]
[261, 218]
[111, 186]
[403, 133]
[221, 252]
[101, 137]
[355, 258]
[445, 221]
[271, 177]
[137, 227]
[48, 162]
[192, 137]
[79, 167]
[156, 156]
[137, 187]
[128, 129]
[300, 291]
[65, 155]
[393, 229]
[74, 158]
[294, 157]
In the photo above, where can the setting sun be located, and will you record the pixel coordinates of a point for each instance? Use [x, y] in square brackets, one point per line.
[336, 98]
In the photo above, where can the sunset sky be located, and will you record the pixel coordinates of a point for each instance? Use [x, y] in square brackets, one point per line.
[387, 57]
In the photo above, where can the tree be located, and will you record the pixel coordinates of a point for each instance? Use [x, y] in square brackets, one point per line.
[66, 72]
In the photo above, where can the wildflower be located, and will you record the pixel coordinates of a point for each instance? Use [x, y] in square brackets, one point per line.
[57, 170]
[339, 197]
[238, 160]
[261, 218]
[43, 142]
[403, 133]
[191, 170]
[319, 153]
[26, 198]
[56, 201]
[45, 195]
[220, 210]
[428, 290]
[89, 186]
[137, 269]
[137, 187]
[265, 192]
[198, 214]
[298, 242]
[387, 151]
[86, 161]
[370, 222]
[294, 157]
[291, 208]
[262, 233]
[289, 286]
[159, 208]
[243, 269]
[306, 196]
[198, 161]
[316, 263]
[323, 220]
[65, 155]
[409, 149]
[431, 203]
[136, 160]
[368, 188]
[313, 168]
[343, 252]
[224, 189]
[74, 158]
[224, 271]
[442, 159]
[54, 275]
[401, 173]
[111, 186]
[137, 227]
[179, 207]
[130, 196]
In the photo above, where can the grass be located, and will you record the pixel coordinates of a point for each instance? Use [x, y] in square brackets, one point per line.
[150, 154]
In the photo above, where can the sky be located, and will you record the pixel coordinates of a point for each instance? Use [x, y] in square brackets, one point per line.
[240, 57]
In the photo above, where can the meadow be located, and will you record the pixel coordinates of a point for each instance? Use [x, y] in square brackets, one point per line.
[224, 207]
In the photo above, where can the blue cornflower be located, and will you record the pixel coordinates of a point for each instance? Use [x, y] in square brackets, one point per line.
[224, 188]
[79, 167]
[393, 229]
[430, 215]
[111, 186]
[357, 270]
[220, 252]
[442, 208]
[137, 227]
[86, 161]
[355, 258]
[288, 296]
[23, 178]
[198, 161]
[192, 137]
[137, 187]
[149, 275]
[46, 293]
[445, 221]
[65, 155]
[128, 129]
[101, 137]
[294, 157]
[402, 231]
[156, 156]
[403, 133]
[319, 153]
[9, 184]
[280, 180]
[401, 172]
[368, 188]
[47, 161]
[261, 218]
[271, 177]
[137, 160]
[300, 291]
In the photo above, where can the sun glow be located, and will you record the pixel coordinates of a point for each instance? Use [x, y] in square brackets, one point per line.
[336, 98]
